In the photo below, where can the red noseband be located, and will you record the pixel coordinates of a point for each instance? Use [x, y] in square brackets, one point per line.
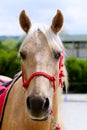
[26, 83]
[58, 76]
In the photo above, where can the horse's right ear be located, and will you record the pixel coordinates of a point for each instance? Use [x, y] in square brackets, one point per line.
[24, 21]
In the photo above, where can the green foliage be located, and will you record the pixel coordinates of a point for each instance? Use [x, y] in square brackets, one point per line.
[9, 61]
[77, 73]
[9, 44]
[19, 43]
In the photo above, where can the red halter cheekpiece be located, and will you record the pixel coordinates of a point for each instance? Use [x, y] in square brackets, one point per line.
[59, 75]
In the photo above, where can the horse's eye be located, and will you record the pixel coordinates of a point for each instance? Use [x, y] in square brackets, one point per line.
[23, 55]
[57, 55]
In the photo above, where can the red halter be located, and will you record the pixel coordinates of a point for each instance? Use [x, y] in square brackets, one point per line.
[59, 75]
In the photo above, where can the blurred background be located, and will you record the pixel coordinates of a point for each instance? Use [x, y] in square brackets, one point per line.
[74, 37]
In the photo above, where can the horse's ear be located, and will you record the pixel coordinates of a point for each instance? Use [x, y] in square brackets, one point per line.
[57, 22]
[24, 21]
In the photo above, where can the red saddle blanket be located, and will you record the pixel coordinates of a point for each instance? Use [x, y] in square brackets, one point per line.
[4, 89]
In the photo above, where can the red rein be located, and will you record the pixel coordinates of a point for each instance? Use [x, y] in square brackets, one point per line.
[59, 75]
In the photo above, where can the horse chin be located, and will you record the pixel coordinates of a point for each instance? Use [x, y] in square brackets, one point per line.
[44, 118]
[40, 119]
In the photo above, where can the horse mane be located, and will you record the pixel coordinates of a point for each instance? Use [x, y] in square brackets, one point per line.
[52, 38]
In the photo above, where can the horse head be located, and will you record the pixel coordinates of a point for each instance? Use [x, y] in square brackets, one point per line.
[40, 52]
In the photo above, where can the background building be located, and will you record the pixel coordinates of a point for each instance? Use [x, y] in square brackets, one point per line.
[76, 45]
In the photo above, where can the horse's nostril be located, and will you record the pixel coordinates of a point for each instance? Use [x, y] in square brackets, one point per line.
[46, 104]
[28, 102]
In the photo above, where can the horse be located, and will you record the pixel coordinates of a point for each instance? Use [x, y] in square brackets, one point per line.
[33, 102]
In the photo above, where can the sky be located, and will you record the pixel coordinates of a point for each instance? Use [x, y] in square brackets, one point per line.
[42, 11]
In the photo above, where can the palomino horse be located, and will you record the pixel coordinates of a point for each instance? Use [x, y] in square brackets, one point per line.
[34, 98]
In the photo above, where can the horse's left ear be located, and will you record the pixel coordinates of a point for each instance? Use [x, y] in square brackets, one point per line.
[24, 21]
[57, 22]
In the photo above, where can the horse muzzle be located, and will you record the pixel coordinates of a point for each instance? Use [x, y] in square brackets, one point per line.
[38, 107]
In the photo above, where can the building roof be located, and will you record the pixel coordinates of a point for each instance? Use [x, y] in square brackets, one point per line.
[74, 38]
